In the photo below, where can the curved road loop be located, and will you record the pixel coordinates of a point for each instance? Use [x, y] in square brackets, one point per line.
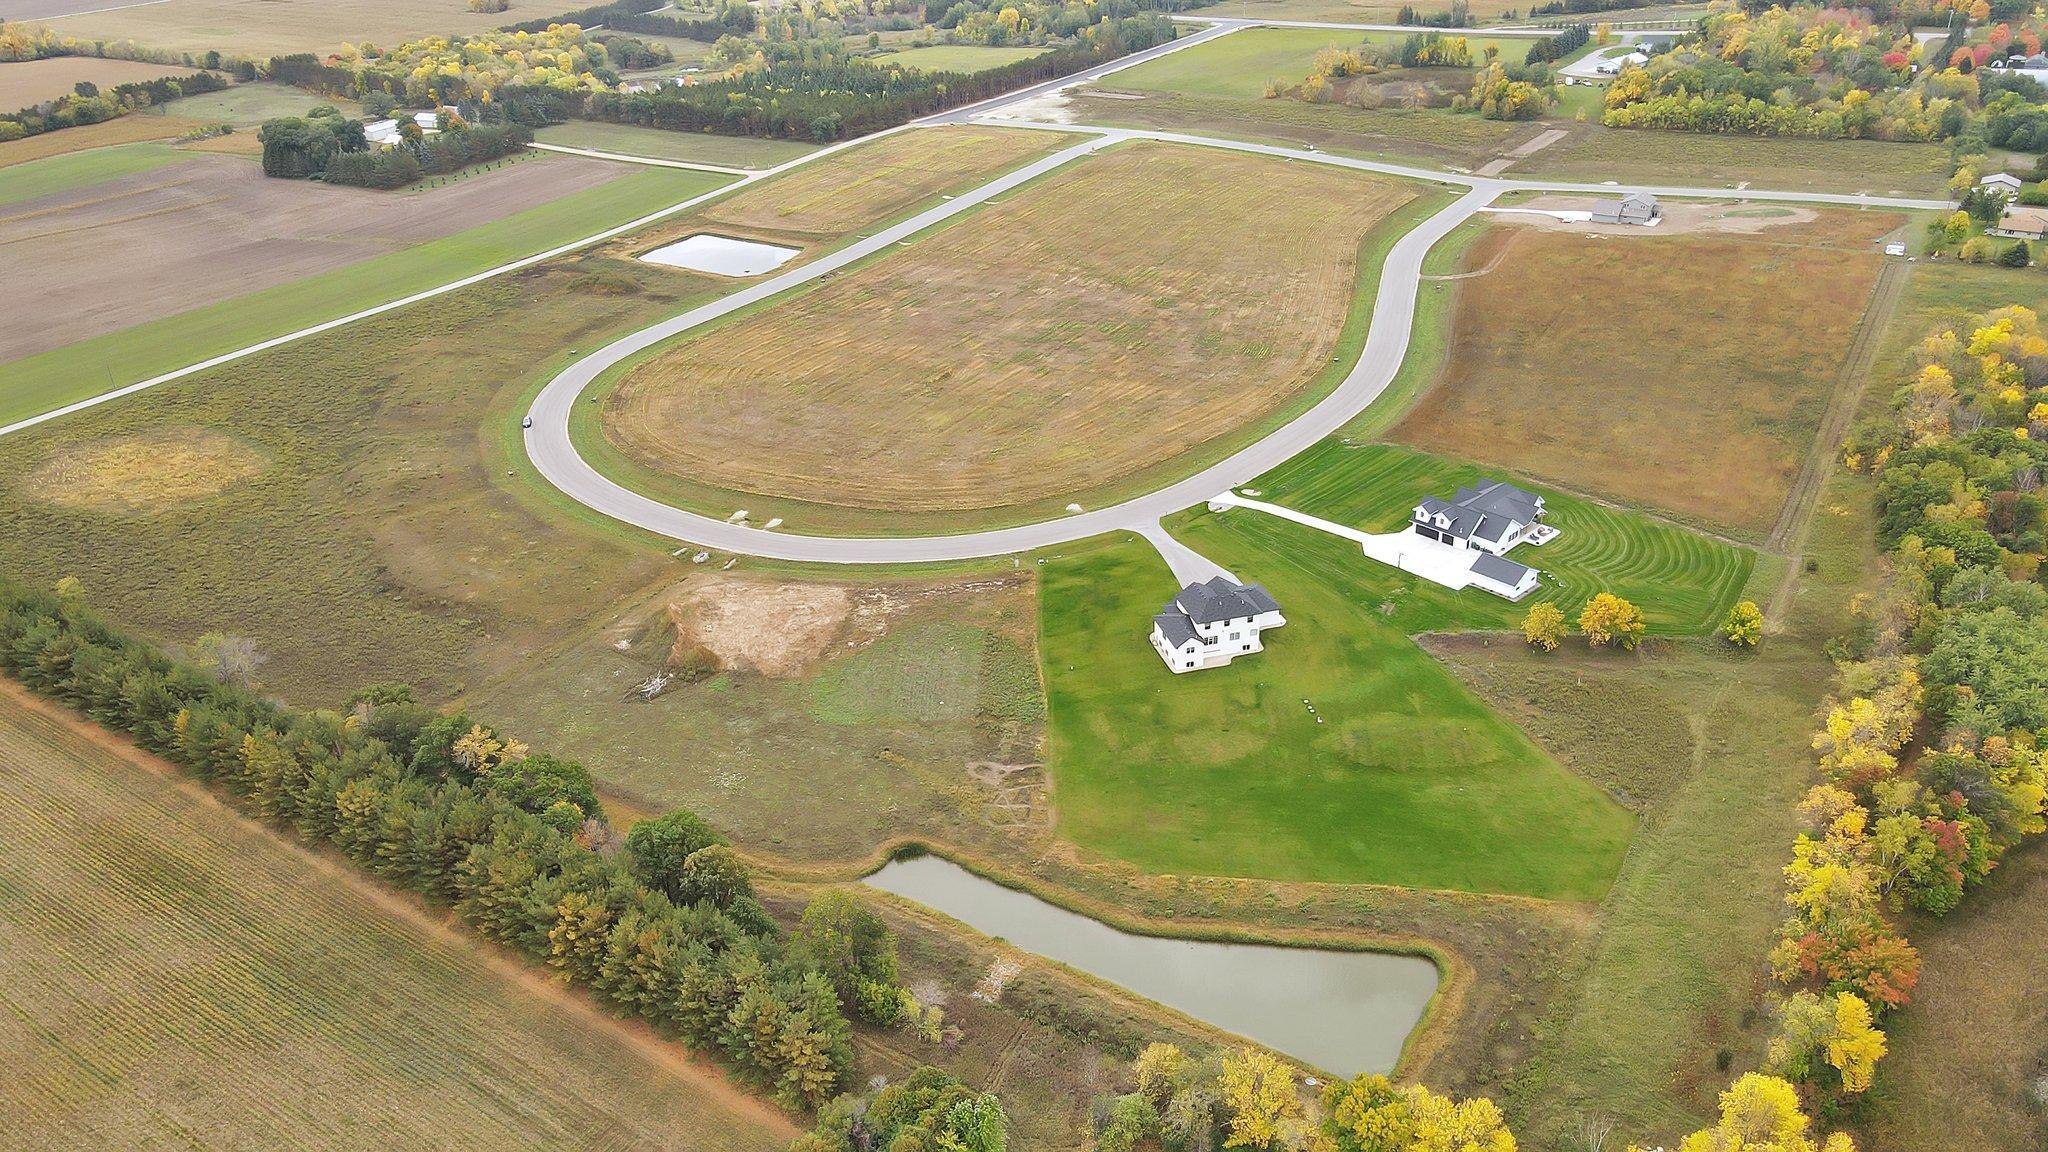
[549, 446]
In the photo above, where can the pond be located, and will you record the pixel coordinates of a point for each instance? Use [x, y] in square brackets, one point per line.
[1345, 1012]
[721, 255]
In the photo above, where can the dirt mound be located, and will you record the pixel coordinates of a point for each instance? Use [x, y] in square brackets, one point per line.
[144, 471]
[780, 630]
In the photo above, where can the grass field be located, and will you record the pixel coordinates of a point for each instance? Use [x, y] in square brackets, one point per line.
[879, 179]
[1718, 745]
[693, 147]
[1696, 159]
[41, 382]
[1683, 582]
[247, 106]
[121, 130]
[379, 541]
[978, 369]
[1969, 1060]
[259, 29]
[178, 977]
[883, 690]
[63, 172]
[956, 57]
[1670, 401]
[1219, 88]
[1397, 776]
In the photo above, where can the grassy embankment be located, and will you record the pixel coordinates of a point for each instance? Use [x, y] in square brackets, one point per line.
[179, 976]
[691, 147]
[52, 379]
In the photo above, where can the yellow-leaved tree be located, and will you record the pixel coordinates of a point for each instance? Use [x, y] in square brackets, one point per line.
[1744, 625]
[1368, 1114]
[1264, 1106]
[1609, 619]
[1761, 1114]
[1544, 627]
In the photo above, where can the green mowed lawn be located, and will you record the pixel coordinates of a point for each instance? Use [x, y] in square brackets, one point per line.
[1398, 775]
[51, 379]
[247, 106]
[1239, 65]
[70, 170]
[957, 57]
[1684, 582]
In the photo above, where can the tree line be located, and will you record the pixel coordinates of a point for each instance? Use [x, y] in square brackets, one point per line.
[833, 100]
[87, 104]
[732, 18]
[665, 927]
[1933, 747]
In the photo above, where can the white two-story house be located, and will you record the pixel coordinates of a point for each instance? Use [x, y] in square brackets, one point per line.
[1210, 624]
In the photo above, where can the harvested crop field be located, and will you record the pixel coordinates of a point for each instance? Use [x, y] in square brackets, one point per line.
[121, 130]
[177, 976]
[1598, 363]
[1043, 347]
[879, 180]
[215, 227]
[29, 82]
[262, 28]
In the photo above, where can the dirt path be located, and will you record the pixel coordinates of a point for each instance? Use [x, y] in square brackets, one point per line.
[1522, 151]
[1788, 536]
[700, 1076]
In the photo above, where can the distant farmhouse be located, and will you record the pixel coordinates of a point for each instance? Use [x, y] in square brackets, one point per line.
[2021, 222]
[1634, 208]
[1613, 65]
[1490, 519]
[1208, 625]
[2002, 184]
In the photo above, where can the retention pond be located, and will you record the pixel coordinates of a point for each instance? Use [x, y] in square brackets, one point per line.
[1344, 1012]
[721, 255]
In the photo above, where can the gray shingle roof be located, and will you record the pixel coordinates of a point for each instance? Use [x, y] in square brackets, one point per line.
[1486, 510]
[1175, 627]
[1220, 599]
[1499, 569]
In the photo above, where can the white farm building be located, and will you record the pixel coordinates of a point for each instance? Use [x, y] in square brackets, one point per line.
[1210, 624]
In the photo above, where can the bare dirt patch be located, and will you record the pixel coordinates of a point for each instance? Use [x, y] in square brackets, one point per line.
[33, 81]
[147, 471]
[1599, 363]
[216, 227]
[780, 630]
[1116, 315]
[1679, 218]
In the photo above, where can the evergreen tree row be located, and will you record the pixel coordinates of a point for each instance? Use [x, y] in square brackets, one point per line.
[668, 929]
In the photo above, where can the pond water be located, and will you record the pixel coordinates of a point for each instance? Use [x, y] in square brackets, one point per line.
[1345, 1012]
[722, 255]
